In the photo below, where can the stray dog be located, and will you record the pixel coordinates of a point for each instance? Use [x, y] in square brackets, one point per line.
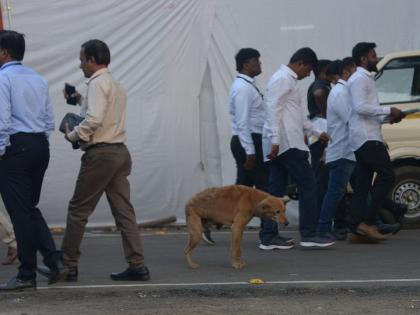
[233, 205]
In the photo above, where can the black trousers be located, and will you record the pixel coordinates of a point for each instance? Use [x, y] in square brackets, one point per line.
[258, 176]
[22, 170]
[372, 157]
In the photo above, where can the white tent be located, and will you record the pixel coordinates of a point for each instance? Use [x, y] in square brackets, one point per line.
[175, 59]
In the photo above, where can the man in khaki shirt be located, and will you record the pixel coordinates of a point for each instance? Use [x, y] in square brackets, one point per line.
[105, 166]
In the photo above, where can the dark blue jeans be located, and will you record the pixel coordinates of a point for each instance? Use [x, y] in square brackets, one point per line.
[22, 170]
[340, 173]
[295, 163]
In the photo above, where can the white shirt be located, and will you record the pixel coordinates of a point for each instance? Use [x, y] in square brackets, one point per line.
[246, 108]
[338, 117]
[367, 114]
[286, 122]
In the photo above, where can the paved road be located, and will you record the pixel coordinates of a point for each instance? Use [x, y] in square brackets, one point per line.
[346, 279]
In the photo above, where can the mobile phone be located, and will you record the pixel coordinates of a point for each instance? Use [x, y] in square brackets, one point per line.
[70, 90]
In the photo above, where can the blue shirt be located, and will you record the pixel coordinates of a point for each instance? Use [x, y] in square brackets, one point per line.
[25, 104]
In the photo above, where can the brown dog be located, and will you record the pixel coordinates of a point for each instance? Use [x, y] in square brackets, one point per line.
[233, 205]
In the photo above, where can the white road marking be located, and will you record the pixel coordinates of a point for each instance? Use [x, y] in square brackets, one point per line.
[200, 284]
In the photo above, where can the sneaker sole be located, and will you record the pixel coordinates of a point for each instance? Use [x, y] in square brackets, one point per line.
[272, 247]
[313, 244]
[205, 239]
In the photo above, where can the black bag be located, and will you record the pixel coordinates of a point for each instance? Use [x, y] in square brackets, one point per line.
[72, 120]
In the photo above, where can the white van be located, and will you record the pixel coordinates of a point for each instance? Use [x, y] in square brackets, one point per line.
[398, 84]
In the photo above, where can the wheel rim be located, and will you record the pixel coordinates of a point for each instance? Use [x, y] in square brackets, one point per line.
[409, 194]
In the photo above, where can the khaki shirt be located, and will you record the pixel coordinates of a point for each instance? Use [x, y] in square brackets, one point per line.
[105, 103]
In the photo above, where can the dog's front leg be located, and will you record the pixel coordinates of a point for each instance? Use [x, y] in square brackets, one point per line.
[237, 234]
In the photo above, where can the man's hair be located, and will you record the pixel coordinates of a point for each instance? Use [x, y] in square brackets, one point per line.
[244, 55]
[333, 68]
[97, 49]
[346, 63]
[14, 43]
[361, 50]
[306, 55]
[321, 67]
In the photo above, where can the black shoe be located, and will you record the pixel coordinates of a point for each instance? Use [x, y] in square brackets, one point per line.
[18, 284]
[132, 274]
[62, 273]
[286, 239]
[389, 228]
[317, 241]
[340, 234]
[206, 236]
[278, 242]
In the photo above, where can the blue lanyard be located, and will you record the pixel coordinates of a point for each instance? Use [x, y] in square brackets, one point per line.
[11, 64]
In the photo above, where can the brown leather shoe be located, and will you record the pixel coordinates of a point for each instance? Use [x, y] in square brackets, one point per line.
[370, 231]
[360, 239]
[11, 256]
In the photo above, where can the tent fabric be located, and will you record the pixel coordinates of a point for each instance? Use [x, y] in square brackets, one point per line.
[175, 59]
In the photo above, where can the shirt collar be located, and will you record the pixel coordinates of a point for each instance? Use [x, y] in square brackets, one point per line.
[365, 72]
[244, 76]
[289, 71]
[97, 74]
[10, 63]
[343, 82]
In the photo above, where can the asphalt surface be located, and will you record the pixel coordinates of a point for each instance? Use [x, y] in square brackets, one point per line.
[345, 279]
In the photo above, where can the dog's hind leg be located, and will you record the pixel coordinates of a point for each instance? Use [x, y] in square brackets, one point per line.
[195, 228]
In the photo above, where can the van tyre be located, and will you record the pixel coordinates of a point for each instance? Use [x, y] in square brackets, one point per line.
[406, 189]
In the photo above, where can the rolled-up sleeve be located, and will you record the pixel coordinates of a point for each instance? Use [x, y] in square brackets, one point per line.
[96, 109]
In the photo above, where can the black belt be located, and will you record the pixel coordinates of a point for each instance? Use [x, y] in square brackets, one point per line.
[30, 134]
[104, 144]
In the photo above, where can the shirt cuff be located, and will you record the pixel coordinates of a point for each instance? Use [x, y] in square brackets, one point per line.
[73, 136]
[250, 151]
[317, 132]
[275, 140]
[386, 110]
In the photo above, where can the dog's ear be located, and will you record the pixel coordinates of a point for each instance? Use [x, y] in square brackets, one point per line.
[262, 206]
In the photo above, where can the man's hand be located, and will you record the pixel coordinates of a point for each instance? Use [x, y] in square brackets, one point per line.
[250, 162]
[324, 138]
[274, 152]
[396, 115]
[77, 95]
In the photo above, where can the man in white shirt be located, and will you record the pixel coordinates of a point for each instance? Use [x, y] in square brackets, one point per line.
[368, 144]
[340, 158]
[246, 108]
[285, 127]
